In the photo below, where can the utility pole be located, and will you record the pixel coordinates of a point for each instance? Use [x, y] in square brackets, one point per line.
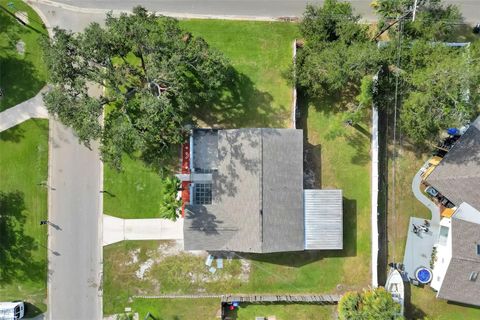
[414, 10]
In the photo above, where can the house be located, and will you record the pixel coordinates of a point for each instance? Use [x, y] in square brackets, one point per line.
[246, 195]
[457, 176]
[456, 263]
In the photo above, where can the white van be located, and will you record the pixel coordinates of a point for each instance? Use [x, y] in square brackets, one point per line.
[12, 310]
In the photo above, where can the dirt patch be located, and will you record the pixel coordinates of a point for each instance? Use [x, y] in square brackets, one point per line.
[20, 46]
[246, 267]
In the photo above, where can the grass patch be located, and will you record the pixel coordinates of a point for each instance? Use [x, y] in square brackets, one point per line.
[425, 304]
[23, 165]
[286, 311]
[134, 192]
[177, 309]
[258, 97]
[21, 76]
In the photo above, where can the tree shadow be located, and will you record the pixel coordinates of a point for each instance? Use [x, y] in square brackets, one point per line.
[19, 79]
[240, 104]
[202, 220]
[14, 134]
[411, 310]
[312, 154]
[360, 144]
[16, 247]
[300, 258]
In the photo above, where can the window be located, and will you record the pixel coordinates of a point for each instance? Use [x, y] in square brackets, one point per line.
[478, 249]
[202, 193]
[442, 239]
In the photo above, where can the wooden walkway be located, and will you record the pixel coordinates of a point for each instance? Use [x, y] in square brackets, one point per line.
[256, 298]
[314, 299]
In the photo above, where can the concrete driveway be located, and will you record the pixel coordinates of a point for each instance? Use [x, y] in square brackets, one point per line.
[116, 229]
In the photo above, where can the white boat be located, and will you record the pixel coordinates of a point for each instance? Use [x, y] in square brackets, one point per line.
[396, 288]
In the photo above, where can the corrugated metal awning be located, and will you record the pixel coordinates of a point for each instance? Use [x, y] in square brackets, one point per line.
[323, 219]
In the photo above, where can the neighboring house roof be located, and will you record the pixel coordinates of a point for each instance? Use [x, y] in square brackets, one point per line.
[460, 283]
[257, 193]
[457, 176]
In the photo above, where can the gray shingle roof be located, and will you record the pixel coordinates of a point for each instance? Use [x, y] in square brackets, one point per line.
[457, 285]
[257, 194]
[283, 227]
[458, 174]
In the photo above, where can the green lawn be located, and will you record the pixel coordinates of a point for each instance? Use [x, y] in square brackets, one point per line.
[134, 192]
[286, 311]
[258, 96]
[21, 77]
[426, 305]
[23, 203]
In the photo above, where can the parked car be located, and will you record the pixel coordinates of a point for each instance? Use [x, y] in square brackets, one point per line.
[12, 310]
[431, 191]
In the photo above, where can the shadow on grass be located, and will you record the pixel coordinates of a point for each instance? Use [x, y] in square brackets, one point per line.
[31, 310]
[240, 104]
[411, 310]
[19, 79]
[16, 248]
[301, 258]
[14, 134]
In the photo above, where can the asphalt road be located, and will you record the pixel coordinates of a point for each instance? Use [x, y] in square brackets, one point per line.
[249, 8]
[75, 242]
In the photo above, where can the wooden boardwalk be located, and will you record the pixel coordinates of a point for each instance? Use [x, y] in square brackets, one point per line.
[297, 298]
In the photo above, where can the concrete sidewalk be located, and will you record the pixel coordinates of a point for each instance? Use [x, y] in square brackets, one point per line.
[117, 229]
[32, 108]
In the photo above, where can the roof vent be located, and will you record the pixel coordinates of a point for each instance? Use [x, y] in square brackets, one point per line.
[473, 276]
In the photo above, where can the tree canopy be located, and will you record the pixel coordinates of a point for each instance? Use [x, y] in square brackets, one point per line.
[437, 82]
[369, 304]
[337, 52]
[154, 73]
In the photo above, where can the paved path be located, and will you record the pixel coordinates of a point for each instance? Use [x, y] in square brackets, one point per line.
[434, 209]
[75, 237]
[32, 108]
[240, 9]
[116, 229]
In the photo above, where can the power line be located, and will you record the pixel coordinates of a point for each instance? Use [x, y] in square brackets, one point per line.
[394, 155]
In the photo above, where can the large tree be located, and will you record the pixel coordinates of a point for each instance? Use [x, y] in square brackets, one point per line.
[434, 20]
[443, 89]
[369, 304]
[154, 74]
[436, 84]
[337, 52]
